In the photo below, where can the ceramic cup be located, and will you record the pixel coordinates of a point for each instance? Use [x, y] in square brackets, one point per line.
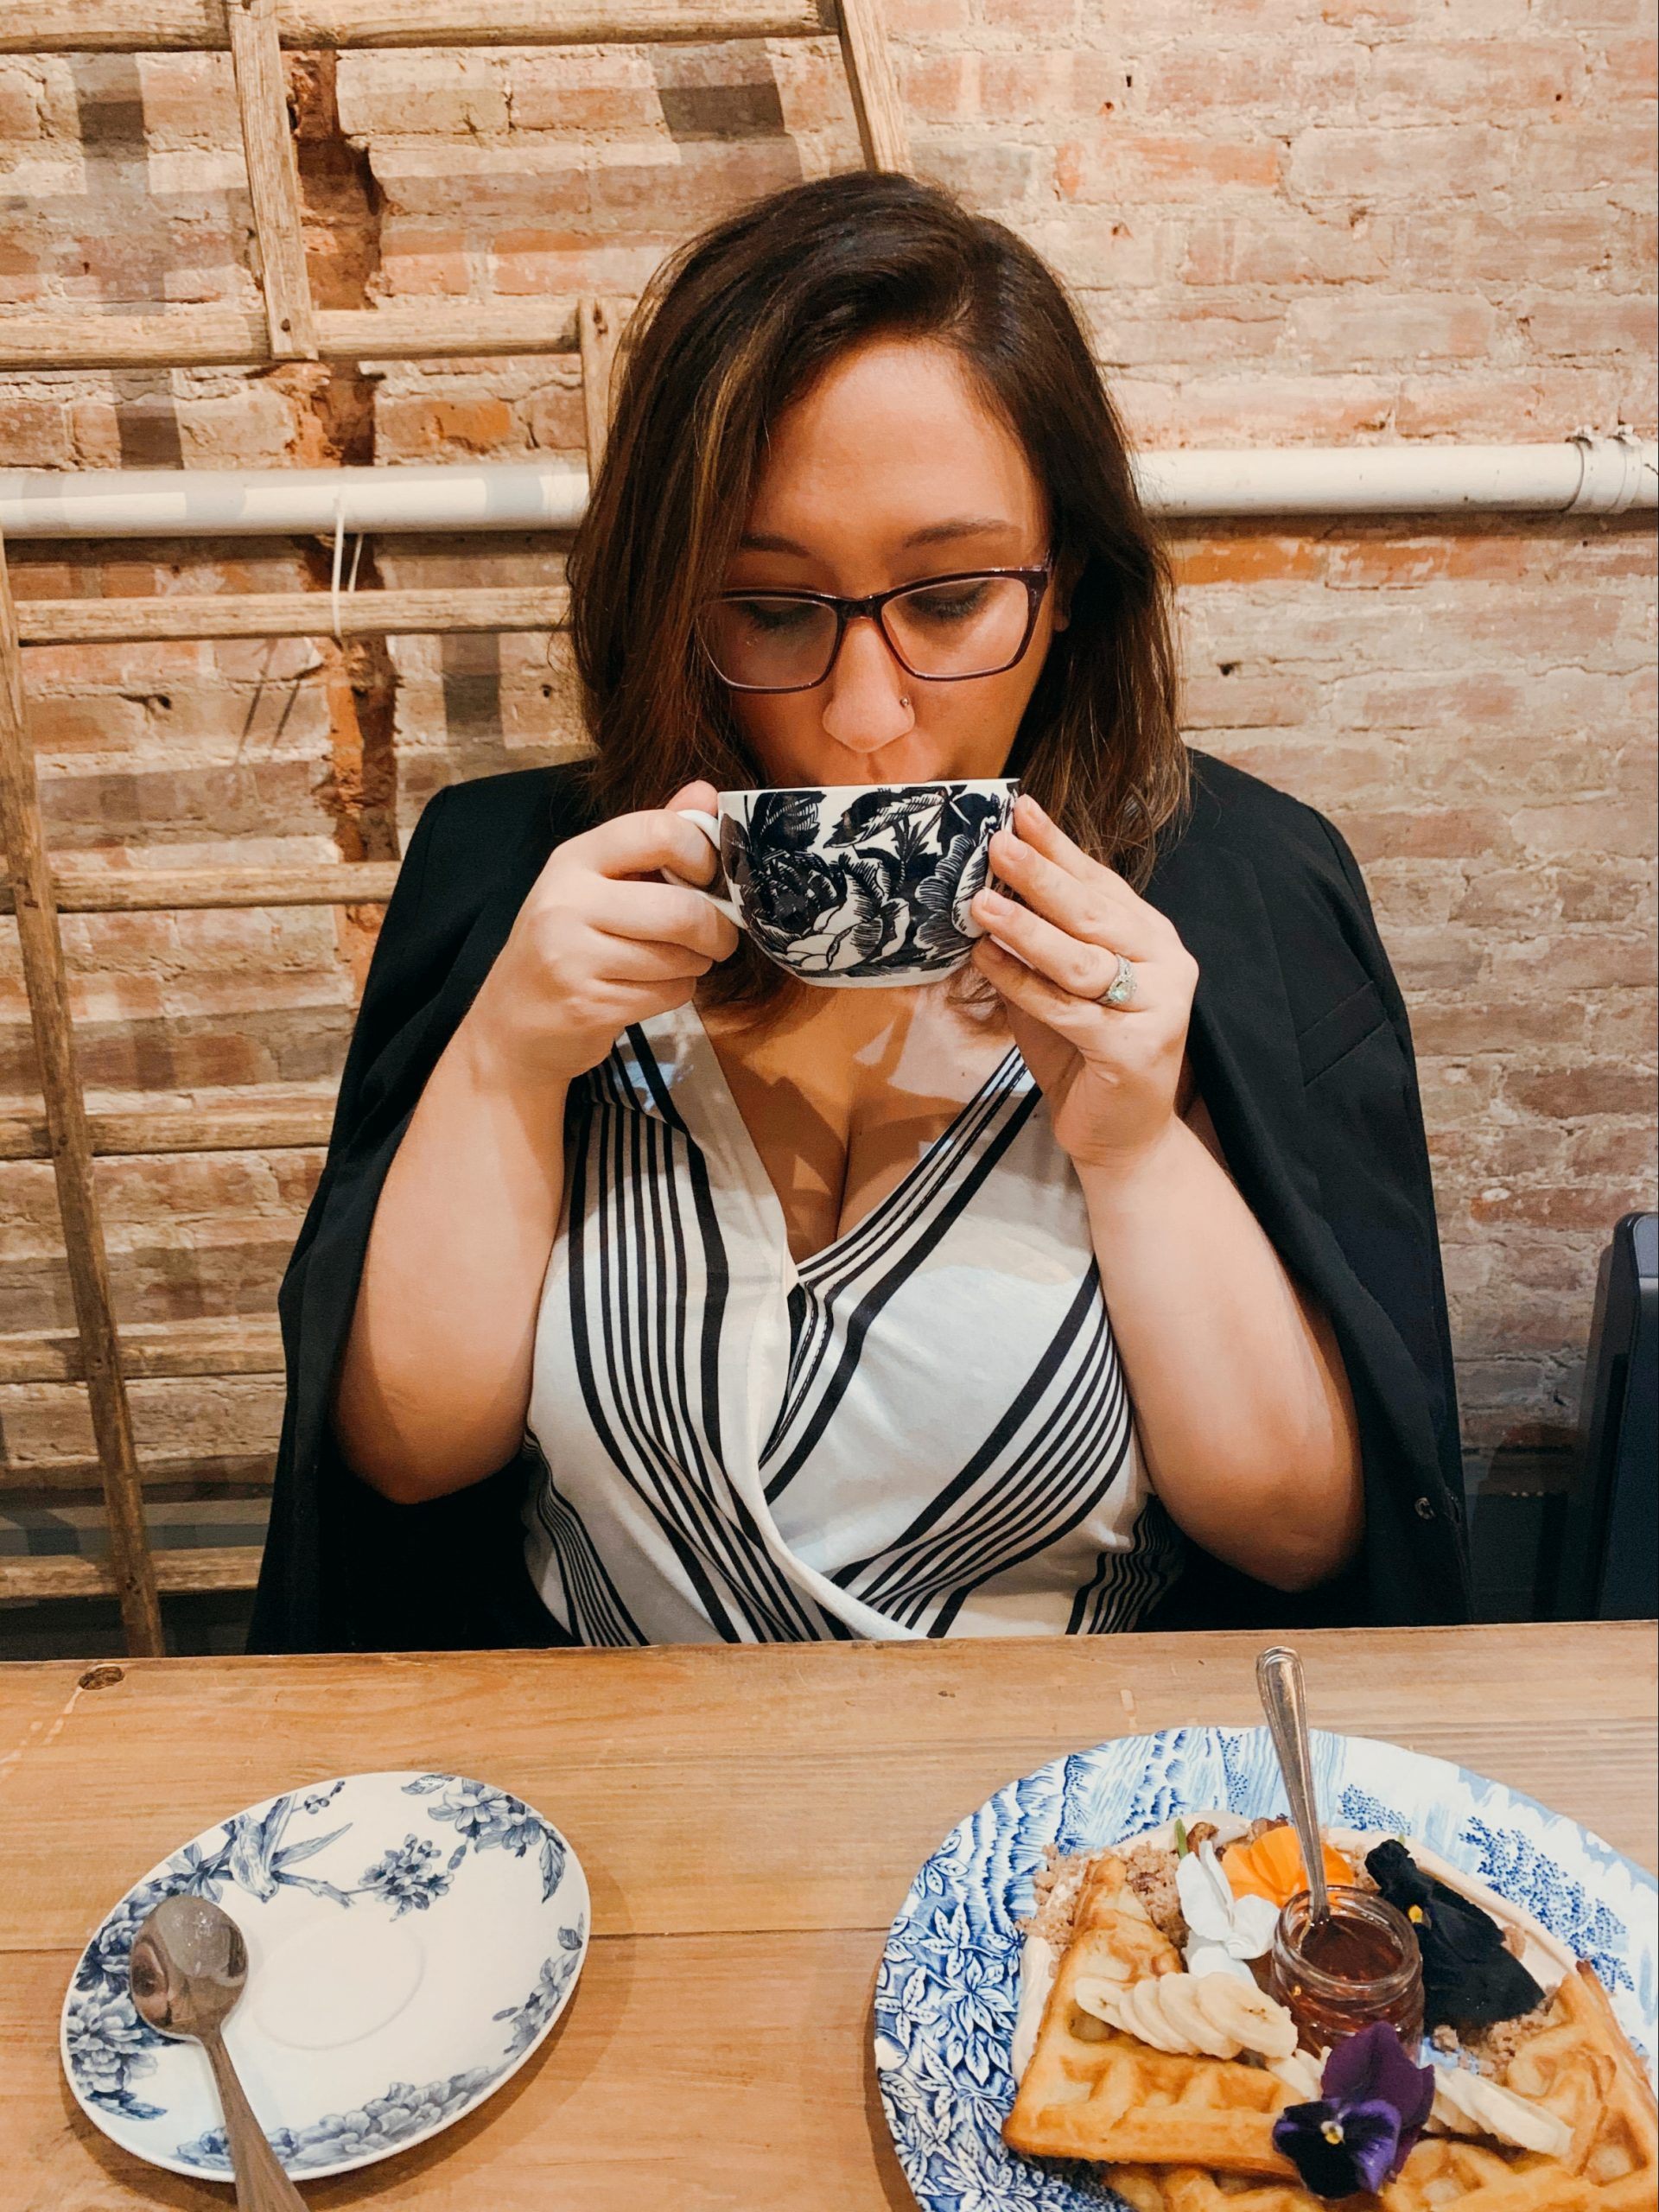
[862, 885]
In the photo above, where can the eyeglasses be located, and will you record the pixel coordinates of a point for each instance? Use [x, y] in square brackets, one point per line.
[945, 631]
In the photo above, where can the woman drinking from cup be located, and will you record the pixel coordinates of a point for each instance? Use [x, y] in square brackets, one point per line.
[787, 1185]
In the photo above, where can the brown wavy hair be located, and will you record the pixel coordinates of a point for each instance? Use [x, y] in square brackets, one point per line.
[740, 323]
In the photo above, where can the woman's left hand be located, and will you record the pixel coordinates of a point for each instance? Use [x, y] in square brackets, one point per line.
[1111, 1075]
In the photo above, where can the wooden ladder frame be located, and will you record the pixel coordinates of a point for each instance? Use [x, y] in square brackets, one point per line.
[291, 328]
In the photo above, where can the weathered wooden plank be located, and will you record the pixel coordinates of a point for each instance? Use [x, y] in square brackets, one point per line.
[883, 131]
[155, 26]
[291, 615]
[33, 902]
[215, 337]
[273, 178]
[274, 1121]
[230, 1471]
[230, 1567]
[230, 1344]
[89, 890]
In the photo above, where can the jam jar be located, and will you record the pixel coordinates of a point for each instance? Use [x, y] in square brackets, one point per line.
[1361, 1964]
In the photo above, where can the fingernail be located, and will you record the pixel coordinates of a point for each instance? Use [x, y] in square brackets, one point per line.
[1031, 807]
[995, 903]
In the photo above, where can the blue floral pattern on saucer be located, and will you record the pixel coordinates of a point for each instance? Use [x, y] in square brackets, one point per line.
[948, 1990]
[486, 1881]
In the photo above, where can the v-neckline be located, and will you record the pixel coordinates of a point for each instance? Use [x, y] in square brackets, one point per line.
[741, 1144]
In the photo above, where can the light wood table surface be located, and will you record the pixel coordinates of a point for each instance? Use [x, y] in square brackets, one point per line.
[749, 1821]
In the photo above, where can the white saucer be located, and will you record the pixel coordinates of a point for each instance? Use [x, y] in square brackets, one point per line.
[411, 1939]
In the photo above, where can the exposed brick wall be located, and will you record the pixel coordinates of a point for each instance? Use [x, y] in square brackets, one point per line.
[1320, 221]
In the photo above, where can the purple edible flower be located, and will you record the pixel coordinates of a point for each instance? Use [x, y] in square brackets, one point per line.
[1362, 2131]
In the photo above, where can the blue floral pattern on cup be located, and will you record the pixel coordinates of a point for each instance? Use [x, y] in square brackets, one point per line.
[297, 1843]
[877, 893]
[948, 1989]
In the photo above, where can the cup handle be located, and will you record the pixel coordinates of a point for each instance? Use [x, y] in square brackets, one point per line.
[710, 825]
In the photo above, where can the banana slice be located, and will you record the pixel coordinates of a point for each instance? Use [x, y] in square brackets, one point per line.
[1254, 2021]
[1301, 2072]
[1469, 2104]
[1177, 1997]
[1142, 2009]
[1102, 2000]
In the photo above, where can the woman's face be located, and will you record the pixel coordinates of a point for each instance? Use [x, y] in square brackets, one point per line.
[891, 469]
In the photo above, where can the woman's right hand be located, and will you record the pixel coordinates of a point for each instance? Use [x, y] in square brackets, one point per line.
[599, 944]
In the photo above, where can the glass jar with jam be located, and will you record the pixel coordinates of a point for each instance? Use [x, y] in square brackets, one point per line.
[1361, 1964]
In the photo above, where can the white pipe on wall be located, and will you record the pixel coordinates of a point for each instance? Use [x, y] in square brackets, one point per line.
[1586, 475]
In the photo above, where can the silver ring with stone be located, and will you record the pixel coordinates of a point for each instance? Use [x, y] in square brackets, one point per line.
[1120, 992]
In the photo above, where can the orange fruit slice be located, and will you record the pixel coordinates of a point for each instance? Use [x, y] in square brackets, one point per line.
[1272, 1867]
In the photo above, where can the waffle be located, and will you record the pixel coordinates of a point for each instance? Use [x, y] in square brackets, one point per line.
[1581, 2067]
[1092, 2092]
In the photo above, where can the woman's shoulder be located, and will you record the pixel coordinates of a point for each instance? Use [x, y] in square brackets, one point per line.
[471, 833]
[1299, 860]
[1234, 810]
[1256, 880]
[475, 845]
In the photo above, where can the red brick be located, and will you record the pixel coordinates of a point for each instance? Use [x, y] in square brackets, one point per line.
[1448, 833]
[610, 90]
[1419, 166]
[1610, 1087]
[1126, 170]
[1496, 79]
[1567, 325]
[909, 19]
[1245, 701]
[1574, 155]
[426, 262]
[1123, 334]
[1287, 79]
[1283, 246]
[1626, 67]
[1243, 558]
[1552, 1207]
[441, 92]
[1257, 409]
[1481, 1024]
[1360, 328]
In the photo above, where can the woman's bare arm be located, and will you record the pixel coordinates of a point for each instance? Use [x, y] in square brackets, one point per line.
[1241, 1401]
[1241, 1406]
[436, 1378]
[435, 1381]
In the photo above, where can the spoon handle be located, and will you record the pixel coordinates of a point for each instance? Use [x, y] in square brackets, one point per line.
[261, 2184]
[1284, 1699]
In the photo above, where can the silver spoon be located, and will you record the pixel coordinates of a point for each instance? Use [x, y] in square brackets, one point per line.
[1284, 1699]
[189, 1967]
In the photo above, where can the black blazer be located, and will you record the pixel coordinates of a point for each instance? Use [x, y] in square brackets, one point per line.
[1302, 1053]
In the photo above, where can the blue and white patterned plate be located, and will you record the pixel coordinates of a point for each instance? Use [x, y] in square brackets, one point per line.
[411, 1939]
[946, 1997]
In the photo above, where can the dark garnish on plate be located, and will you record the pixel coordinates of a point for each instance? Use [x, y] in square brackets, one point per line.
[1471, 1979]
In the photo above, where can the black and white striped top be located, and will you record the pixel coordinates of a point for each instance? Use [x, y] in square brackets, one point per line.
[923, 1430]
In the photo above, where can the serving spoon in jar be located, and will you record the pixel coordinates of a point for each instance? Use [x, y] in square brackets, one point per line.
[189, 1967]
[1284, 1699]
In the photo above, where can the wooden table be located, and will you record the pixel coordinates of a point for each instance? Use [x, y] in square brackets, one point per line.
[749, 1821]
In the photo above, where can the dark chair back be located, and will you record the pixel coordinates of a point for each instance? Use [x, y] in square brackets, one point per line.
[1609, 1554]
